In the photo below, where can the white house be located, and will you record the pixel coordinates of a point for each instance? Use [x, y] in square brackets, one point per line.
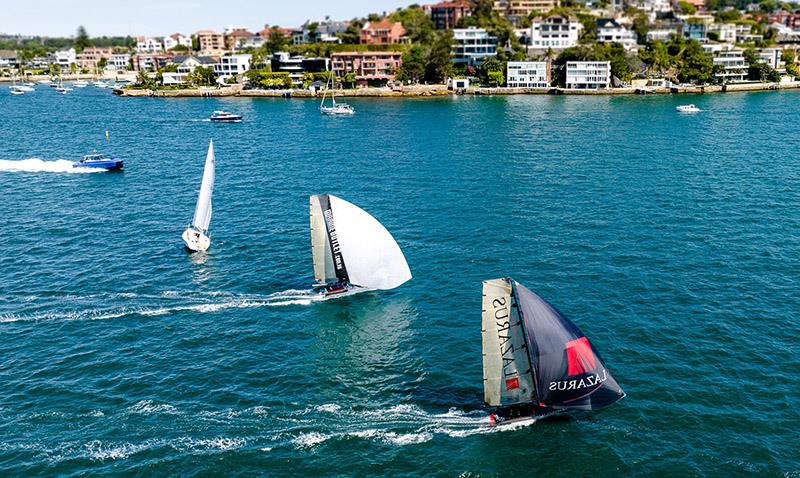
[148, 45]
[661, 34]
[64, 58]
[610, 31]
[232, 65]
[772, 57]
[177, 39]
[528, 74]
[726, 31]
[473, 45]
[118, 62]
[556, 32]
[734, 66]
[588, 74]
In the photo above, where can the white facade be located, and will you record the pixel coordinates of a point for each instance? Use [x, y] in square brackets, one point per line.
[232, 65]
[118, 62]
[610, 31]
[555, 32]
[528, 74]
[726, 31]
[772, 57]
[734, 66]
[65, 58]
[148, 45]
[173, 78]
[661, 34]
[588, 74]
[177, 39]
[473, 45]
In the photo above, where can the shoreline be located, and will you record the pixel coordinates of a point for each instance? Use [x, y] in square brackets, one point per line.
[438, 91]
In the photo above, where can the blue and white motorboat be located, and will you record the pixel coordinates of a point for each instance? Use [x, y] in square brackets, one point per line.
[225, 117]
[99, 161]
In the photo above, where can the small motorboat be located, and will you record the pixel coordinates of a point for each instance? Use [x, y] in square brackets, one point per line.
[99, 161]
[17, 92]
[80, 84]
[29, 84]
[687, 108]
[225, 117]
[44, 82]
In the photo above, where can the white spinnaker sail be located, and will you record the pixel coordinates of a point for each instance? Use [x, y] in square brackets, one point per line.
[371, 255]
[507, 375]
[202, 213]
[320, 245]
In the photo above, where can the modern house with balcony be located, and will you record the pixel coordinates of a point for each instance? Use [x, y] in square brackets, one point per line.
[369, 67]
[588, 75]
[297, 66]
[733, 65]
[528, 74]
[146, 45]
[610, 31]
[473, 46]
[555, 32]
[232, 65]
[118, 62]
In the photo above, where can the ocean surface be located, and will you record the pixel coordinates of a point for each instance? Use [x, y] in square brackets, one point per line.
[671, 240]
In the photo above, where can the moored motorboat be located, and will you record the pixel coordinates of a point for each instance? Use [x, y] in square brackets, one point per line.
[536, 362]
[99, 161]
[196, 234]
[17, 92]
[220, 116]
[352, 251]
[80, 84]
[687, 108]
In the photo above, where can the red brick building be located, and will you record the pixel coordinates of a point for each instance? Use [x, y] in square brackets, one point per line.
[384, 32]
[445, 15]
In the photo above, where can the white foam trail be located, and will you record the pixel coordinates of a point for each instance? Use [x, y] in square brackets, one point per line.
[36, 165]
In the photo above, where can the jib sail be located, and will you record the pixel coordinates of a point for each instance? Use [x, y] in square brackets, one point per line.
[507, 373]
[569, 371]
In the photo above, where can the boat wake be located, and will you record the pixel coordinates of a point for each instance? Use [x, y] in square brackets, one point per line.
[169, 302]
[36, 165]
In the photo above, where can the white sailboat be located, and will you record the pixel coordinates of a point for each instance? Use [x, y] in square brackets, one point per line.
[196, 234]
[15, 90]
[335, 108]
[351, 249]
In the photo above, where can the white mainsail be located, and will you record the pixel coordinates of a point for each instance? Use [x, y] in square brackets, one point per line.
[507, 373]
[202, 212]
[320, 244]
[366, 253]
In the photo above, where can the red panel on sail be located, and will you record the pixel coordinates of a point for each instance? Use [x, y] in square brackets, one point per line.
[512, 383]
[580, 358]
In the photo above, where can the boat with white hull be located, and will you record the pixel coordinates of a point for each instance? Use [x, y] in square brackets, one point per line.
[351, 249]
[687, 108]
[336, 109]
[196, 234]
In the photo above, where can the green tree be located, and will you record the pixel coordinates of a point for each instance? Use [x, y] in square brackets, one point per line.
[695, 65]
[81, 39]
[268, 80]
[351, 35]
[496, 78]
[418, 25]
[439, 65]
[686, 8]
[202, 76]
[413, 67]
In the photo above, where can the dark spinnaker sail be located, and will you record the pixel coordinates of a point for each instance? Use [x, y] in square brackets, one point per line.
[569, 371]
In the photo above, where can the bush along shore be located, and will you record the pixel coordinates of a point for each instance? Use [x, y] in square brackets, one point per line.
[423, 91]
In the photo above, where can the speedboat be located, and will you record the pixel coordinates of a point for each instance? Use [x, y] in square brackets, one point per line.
[99, 161]
[337, 109]
[225, 117]
[687, 108]
[80, 84]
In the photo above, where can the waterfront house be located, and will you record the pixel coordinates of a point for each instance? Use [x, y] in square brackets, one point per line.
[610, 31]
[150, 61]
[186, 65]
[772, 57]
[8, 59]
[118, 62]
[175, 40]
[369, 67]
[593, 75]
[210, 42]
[446, 15]
[518, 10]
[733, 65]
[456, 84]
[296, 66]
[695, 29]
[90, 57]
[383, 32]
[321, 31]
[148, 45]
[528, 74]
[652, 7]
[473, 46]
[232, 65]
[64, 58]
[556, 32]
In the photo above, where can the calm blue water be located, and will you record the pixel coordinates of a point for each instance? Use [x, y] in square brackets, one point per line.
[672, 240]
